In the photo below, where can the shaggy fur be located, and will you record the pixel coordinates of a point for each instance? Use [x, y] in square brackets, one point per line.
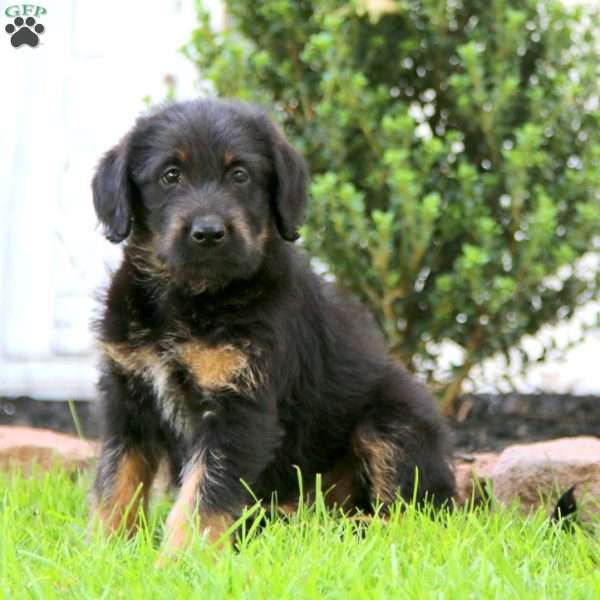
[223, 352]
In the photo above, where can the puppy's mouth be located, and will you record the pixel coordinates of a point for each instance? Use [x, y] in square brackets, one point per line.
[201, 270]
[165, 270]
[199, 267]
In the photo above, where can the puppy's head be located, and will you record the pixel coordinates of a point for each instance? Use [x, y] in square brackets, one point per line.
[201, 187]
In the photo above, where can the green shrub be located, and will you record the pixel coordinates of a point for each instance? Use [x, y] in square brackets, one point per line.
[455, 154]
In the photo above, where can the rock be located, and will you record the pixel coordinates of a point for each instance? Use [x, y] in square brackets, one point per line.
[539, 473]
[472, 472]
[24, 446]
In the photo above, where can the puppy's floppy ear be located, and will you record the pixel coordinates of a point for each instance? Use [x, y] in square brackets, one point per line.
[113, 194]
[288, 195]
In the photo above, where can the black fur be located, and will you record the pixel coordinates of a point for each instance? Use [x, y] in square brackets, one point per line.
[318, 390]
[113, 192]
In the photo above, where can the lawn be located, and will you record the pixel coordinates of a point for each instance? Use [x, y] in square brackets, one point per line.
[46, 552]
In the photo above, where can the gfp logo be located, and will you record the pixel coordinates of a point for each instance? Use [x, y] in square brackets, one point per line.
[24, 30]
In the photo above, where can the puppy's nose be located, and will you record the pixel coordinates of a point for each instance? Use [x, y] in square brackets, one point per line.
[208, 231]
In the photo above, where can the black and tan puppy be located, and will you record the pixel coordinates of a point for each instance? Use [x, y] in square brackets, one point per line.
[223, 352]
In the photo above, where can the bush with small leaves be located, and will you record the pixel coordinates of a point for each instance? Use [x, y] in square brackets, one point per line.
[455, 154]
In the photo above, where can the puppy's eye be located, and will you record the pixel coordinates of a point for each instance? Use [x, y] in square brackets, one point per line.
[240, 175]
[170, 176]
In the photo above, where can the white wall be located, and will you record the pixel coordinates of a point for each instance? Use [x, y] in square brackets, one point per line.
[62, 105]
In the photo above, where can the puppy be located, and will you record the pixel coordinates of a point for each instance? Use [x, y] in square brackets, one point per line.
[224, 353]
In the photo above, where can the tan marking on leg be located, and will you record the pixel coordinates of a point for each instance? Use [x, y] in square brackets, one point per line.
[339, 485]
[184, 509]
[130, 492]
[186, 514]
[217, 367]
[379, 459]
[215, 525]
[287, 508]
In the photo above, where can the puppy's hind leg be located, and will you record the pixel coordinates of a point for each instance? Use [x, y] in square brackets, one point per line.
[401, 450]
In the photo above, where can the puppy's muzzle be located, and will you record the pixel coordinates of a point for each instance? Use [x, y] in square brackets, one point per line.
[208, 231]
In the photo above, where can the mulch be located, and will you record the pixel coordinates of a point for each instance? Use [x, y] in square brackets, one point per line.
[483, 422]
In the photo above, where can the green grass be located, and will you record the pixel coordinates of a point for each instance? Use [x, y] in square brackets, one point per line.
[46, 551]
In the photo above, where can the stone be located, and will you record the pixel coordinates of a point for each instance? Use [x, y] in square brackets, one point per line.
[537, 474]
[25, 446]
[472, 472]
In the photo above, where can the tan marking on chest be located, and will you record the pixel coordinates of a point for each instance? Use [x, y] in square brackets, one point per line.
[216, 367]
[139, 360]
[153, 367]
[212, 367]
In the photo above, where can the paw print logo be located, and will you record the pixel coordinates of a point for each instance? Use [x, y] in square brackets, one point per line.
[24, 32]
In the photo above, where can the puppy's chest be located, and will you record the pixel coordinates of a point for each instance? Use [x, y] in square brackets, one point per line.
[183, 372]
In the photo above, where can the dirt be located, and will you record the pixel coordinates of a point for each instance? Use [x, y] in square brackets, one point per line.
[482, 422]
